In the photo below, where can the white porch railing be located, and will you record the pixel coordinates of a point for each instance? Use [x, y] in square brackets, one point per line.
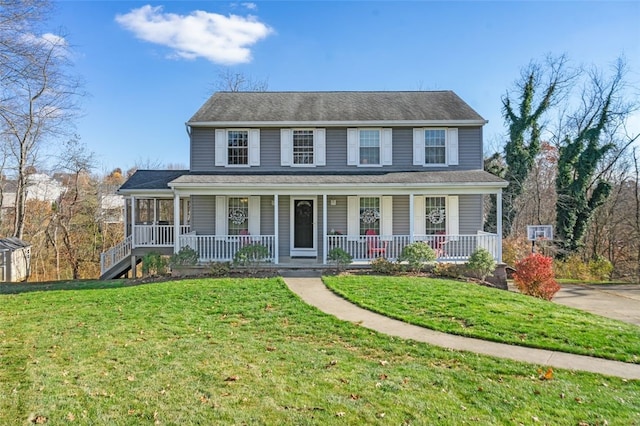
[156, 235]
[449, 248]
[115, 254]
[222, 248]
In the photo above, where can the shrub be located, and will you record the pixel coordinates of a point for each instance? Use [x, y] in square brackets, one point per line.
[251, 256]
[534, 276]
[185, 257]
[573, 267]
[219, 269]
[515, 249]
[481, 263]
[340, 257]
[383, 266]
[417, 255]
[153, 263]
[448, 270]
[600, 269]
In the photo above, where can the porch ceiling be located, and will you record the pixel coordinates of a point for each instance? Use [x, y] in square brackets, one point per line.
[404, 180]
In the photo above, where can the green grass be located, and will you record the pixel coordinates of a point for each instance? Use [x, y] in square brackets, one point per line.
[250, 352]
[472, 310]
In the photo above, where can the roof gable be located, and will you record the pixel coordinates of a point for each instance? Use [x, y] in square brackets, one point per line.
[334, 107]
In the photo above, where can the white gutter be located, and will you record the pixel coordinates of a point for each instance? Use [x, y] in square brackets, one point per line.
[336, 123]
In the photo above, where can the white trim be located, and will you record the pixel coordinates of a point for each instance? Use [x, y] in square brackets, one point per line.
[276, 229]
[221, 217]
[254, 147]
[286, 147]
[386, 147]
[337, 123]
[379, 163]
[386, 216]
[452, 146]
[303, 252]
[320, 147]
[453, 215]
[221, 143]
[352, 147]
[254, 215]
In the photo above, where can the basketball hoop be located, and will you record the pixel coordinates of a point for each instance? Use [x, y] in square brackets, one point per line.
[539, 233]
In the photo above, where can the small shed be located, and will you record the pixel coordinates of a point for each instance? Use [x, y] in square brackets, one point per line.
[15, 259]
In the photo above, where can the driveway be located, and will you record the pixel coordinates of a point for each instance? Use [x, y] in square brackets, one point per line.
[620, 301]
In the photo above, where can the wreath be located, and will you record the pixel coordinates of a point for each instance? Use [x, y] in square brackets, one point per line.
[369, 216]
[436, 216]
[237, 216]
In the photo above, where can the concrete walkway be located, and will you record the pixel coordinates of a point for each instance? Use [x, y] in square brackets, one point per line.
[313, 291]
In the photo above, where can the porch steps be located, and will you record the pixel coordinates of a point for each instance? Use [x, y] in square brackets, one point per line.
[119, 269]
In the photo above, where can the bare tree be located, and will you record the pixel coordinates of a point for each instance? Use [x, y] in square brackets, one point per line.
[231, 81]
[39, 96]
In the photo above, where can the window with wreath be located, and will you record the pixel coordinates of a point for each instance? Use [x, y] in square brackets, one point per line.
[303, 147]
[369, 215]
[435, 146]
[237, 147]
[435, 214]
[370, 146]
[238, 216]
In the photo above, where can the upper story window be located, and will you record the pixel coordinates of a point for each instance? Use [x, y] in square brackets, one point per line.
[435, 147]
[302, 147]
[237, 147]
[369, 147]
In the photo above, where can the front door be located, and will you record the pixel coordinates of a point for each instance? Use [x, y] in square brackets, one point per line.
[303, 235]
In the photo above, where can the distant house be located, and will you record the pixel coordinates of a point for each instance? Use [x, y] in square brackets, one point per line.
[302, 173]
[15, 260]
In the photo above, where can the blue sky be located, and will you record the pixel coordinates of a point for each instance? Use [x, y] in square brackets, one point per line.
[148, 66]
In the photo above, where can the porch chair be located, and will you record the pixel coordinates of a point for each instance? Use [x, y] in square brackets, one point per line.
[375, 247]
[245, 237]
[438, 242]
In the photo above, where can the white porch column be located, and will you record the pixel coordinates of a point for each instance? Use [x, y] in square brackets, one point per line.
[133, 221]
[411, 219]
[176, 222]
[499, 223]
[276, 230]
[324, 229]
[125, 217]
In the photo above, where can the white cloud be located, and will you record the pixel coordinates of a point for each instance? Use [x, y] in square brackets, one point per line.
[250, 6]
[217, 38]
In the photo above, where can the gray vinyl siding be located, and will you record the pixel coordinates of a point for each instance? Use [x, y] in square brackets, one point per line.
[203, 213]
[202, 149]
[284, 225]
[469, 145]
[401, 215]
[337, 215]
[266, 216]
[270, 149]
[470, 212]
[470, 150]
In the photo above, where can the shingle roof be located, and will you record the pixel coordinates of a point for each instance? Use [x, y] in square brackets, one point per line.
[334, 106]
[431, 178]
[151, 179]
[12, 243]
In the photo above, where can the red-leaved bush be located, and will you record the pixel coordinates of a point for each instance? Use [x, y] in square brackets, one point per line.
[534, 276]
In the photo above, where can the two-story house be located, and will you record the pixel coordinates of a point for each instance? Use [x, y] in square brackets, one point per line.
[304, 172]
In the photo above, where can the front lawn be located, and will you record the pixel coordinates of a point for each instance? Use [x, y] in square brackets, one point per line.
[475, 311]
[248, 351]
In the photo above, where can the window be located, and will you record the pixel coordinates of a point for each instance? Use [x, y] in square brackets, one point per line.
[303, 147]
[435, 146]
[237, 147]
[435, 215]
[369, 215]
[369, 147]
[238, 216]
